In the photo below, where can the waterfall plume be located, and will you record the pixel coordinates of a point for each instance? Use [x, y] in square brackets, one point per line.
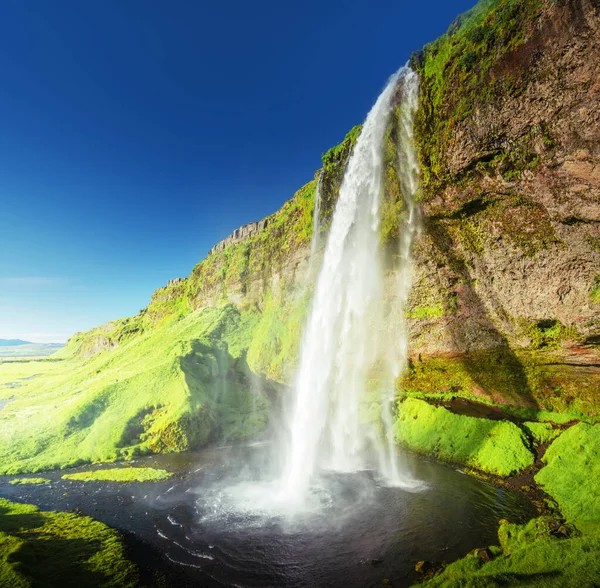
[342, 340]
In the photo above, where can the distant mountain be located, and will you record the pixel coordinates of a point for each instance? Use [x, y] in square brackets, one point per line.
[26, 349]
[13, 342]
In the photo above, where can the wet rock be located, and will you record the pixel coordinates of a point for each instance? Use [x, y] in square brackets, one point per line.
[422, 567]
[484, 554]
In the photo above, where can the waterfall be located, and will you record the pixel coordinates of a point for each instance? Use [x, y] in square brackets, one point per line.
[342, 341]
[314, 244]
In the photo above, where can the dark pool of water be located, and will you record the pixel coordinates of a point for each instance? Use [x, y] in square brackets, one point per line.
[194, 524]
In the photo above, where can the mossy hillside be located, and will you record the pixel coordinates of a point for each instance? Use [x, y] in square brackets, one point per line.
[59, 549]
[496, 447]
[533, 554]
[571, 475]
[275, 345]
[130, 474]
[171, 389]
[456, 80]
[538, 381]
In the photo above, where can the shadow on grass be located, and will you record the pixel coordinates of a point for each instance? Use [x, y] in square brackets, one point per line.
[51, 561]
[237, 400]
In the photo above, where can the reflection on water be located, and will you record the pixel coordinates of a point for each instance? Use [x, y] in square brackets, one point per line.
[222, 525]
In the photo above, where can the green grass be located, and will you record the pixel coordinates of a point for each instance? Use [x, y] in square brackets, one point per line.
[496, 447]
[59, 549]
[25, 481]
[171, 389]
[121, 475]
[530, 556]
[572, 473]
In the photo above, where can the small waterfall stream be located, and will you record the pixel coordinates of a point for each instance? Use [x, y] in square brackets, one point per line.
[342, 341]
[314, 244]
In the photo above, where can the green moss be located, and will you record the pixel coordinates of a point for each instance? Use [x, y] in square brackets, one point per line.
[549, 334]
[573, 467]
[340, 152]
[542, 432]
[24, 481]
[59, 549]
[426, 312]
[531, 555]
[497, 447]
[121, 475]
[456, 81]
[532, 384]
[595, 290]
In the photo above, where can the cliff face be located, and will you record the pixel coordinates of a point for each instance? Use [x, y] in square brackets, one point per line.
[506, 297]
[512, 188]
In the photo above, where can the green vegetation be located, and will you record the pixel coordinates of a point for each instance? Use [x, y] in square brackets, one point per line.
[59, 549]
[25, 481]
[456, 80]
[595, 291]
[170, 389]
[426, 312]
[571, 475]
[542, 432]
[548, 334]
[546, 552]
[534, 554]
[340, 152]
[530, 383]
[121, 475]
[496, 447]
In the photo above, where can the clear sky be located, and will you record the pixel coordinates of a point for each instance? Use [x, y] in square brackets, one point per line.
[137, 133]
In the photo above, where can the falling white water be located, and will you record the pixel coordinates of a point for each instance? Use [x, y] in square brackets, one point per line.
[343, 336]
[314, 244]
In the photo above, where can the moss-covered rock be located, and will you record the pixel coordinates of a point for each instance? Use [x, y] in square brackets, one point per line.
[496, 447]
[571, 473]
[531, 555]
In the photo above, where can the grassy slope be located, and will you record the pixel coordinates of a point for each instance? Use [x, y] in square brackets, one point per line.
[59, 549]
[167, 390]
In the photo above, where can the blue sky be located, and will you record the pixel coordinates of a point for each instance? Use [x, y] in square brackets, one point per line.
[136, 134]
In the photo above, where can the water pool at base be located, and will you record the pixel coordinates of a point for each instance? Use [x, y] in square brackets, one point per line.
[216, 524]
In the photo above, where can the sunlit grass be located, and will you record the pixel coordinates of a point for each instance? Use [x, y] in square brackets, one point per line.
[121, 475]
